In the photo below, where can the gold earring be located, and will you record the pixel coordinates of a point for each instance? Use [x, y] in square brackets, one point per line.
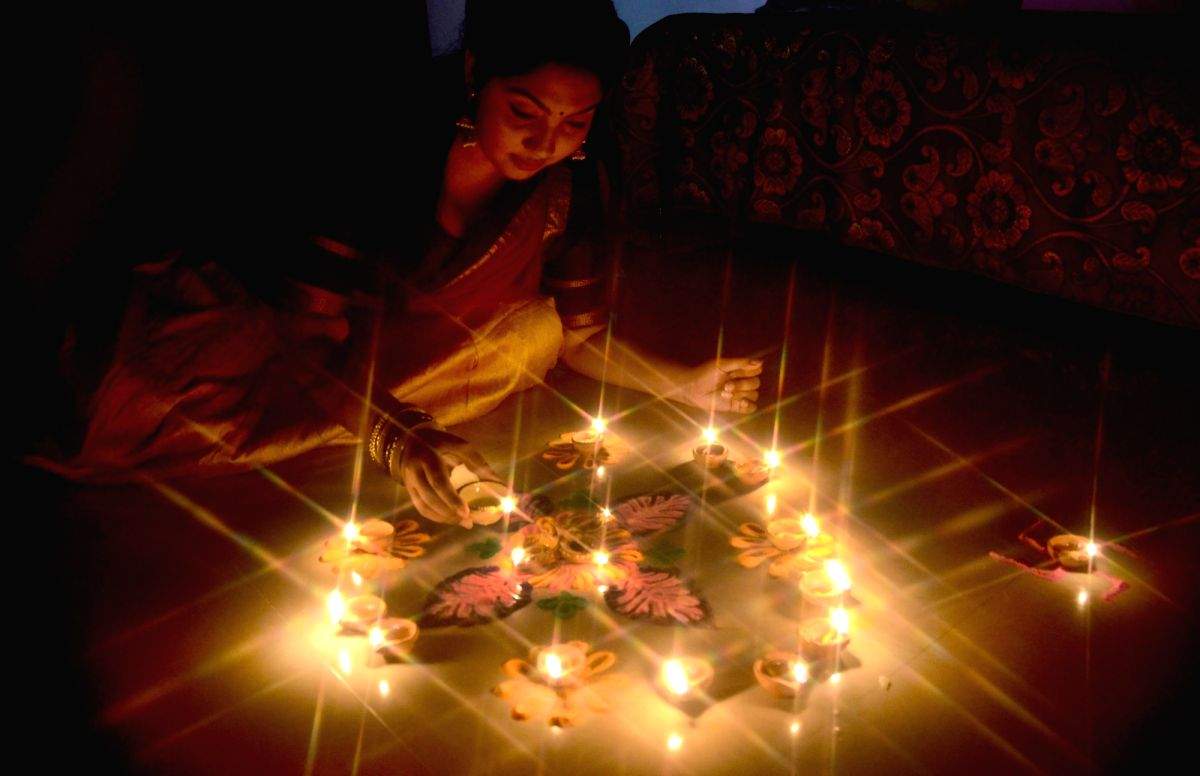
[579, 155]
[466, 124]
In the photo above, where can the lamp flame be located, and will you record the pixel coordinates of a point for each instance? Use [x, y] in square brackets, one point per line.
[599, 426]
[799, 672]
[336, 604]
[600, 558]
[838, 575]
[674, 742]
[839, 618]
[772, 459]
[710, 436]
[675, 677]
[508, 505]
[384, 688]
[772, 503]
[350, 531]
[554, 666]
[810, 525]
[375, 636]
[517, 555]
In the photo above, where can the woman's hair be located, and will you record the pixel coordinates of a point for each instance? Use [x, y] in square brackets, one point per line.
[511, 37]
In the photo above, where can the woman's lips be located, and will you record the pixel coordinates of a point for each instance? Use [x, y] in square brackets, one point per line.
[527, 165]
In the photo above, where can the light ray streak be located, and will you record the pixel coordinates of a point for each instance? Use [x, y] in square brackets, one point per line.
[1039, 513]
[270, 476]
[216, 715]
[358, 744]
[938, 472]
[472, 705]
[980, 727]
[985, 476]
[331, 671]
[783, 351]
[1179, 521]
[969, 672]
[122, 710]
[1097, 446]
[314, 735]
[945, 627]
[206, 518]
[776, 408]
[364, 419]
[826, 358]
[897, 406]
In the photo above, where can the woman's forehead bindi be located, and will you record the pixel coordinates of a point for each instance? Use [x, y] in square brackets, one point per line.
[558, 90]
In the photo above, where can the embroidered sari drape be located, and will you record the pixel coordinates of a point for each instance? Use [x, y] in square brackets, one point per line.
[207, 379]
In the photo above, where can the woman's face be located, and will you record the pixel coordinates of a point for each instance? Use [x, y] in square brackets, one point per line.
[524, 123]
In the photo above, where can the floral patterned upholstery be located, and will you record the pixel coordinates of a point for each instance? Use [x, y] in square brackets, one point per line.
[1025, 156]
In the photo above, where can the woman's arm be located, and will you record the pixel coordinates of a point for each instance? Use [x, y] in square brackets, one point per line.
[725, 385]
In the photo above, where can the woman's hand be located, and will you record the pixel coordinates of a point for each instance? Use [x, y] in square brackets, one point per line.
[724, 384]
[425, 474]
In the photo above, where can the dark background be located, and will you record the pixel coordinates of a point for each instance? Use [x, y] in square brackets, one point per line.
[222, 135]
[219, 132]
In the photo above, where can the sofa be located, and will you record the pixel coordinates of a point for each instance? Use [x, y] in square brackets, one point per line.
[1056, 153]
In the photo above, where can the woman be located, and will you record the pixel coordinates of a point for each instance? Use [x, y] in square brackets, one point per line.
[209, 379]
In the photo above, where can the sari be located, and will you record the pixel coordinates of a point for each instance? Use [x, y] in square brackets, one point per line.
[208, 379]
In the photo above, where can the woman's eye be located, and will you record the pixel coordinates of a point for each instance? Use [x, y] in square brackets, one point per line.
[577, 126]
[520, 113]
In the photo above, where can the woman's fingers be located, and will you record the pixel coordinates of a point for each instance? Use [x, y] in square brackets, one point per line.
[740, 367]
[742, 385]
[462, 452]
[441, 492]
[416, 492]
[743, 403]
[744, 406]
[750, 396]
[422, 506]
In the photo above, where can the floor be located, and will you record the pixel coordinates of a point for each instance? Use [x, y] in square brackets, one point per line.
[932, 436]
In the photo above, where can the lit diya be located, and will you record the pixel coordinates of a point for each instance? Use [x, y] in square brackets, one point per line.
[392, 635]
[590, 439]
[487, 501]
[822, 638]
[361, 612]
[685, 677]
[793, 545]
[587, 449]
[374, 547]
[1072, 552]
[783, 674]
[560, 664]
[372, 535]
[825, 586]
[710, 455]
[752, 473]
[586, 441]
[558, 683]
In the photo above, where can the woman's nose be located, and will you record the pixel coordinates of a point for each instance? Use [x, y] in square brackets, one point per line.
[540, 142]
